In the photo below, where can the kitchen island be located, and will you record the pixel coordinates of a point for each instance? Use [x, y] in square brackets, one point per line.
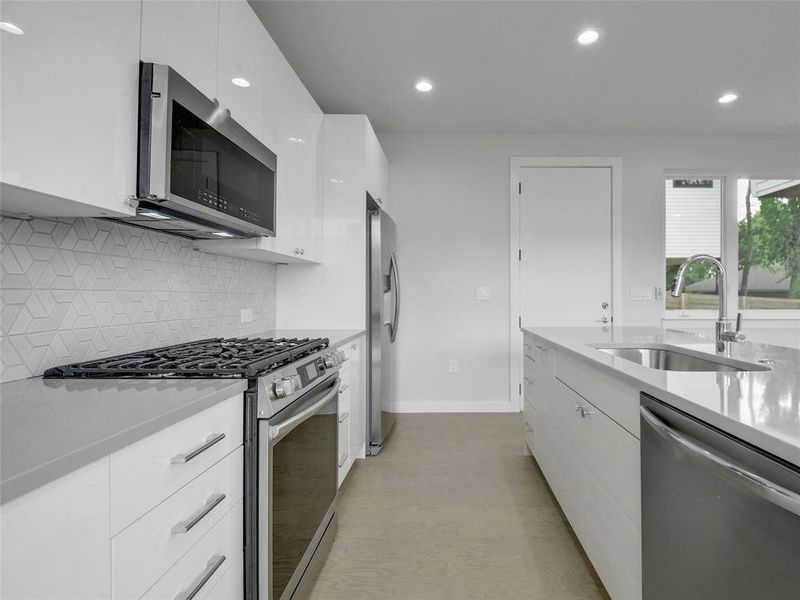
[582, 421]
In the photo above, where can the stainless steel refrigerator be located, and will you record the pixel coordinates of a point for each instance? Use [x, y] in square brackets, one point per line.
[383, 318]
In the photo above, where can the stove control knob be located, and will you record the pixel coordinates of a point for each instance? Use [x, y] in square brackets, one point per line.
[333, 359]
[286, 386]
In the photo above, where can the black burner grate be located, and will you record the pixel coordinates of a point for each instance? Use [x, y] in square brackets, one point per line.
[213, 357]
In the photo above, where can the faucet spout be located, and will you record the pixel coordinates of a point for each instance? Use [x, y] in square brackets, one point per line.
[724, 329]
[680, 279]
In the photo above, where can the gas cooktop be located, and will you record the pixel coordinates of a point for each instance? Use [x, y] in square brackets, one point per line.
[213, 357]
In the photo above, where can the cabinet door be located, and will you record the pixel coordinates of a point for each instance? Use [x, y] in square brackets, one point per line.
[242, 59]
[299, 188]
[377, 169]
[603, 489]
[183, 35]
[69, 103]
[55, 540]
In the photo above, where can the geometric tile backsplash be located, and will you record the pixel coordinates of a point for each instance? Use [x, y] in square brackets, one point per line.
[77, 289]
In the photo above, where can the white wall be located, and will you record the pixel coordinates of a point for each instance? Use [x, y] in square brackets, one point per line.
[450, 199]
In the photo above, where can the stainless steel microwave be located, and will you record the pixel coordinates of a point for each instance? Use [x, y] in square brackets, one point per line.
[200, 174]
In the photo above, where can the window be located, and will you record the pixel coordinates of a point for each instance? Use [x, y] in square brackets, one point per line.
[768, 215]
[693, 226]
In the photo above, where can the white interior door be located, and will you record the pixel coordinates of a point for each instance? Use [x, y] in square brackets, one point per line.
[565, 238]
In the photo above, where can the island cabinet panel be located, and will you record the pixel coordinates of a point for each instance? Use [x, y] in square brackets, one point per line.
[55, 540]
[590, 461]
[605, 491]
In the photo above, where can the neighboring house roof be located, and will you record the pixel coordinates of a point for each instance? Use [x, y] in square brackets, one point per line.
[776, 188]
[760, 280]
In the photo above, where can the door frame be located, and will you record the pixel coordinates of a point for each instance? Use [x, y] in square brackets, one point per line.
[514, 264]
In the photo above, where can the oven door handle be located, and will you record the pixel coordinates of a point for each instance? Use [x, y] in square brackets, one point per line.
[764, 488]
[278, 432]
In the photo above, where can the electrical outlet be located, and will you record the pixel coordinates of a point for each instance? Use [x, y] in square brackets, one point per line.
[482, 293]
[453, 367]
[246, 315]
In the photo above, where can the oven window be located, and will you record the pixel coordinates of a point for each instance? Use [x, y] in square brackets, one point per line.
[207, 168]
[304, 475]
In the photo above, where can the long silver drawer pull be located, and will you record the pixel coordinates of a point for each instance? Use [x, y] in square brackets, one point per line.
[343, 418]
[186, 526]
[187, 456]
[214, 563]
[766, 489]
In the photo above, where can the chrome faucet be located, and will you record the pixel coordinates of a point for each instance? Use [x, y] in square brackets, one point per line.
[725, 332]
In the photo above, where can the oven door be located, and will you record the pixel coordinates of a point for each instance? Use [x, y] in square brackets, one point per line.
[298, 449]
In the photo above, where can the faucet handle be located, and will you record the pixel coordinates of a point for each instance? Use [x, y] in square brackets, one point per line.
[737, 335]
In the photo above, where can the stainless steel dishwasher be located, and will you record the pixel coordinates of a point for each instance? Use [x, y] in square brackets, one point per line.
[720, 518]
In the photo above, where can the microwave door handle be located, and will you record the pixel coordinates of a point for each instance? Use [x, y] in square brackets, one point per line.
[396, 287]
[756, 484]
[278, 432]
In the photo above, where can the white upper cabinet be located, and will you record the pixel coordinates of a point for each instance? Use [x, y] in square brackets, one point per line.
[183, 35]
[242, 83]
[68, 106]
[377, 168]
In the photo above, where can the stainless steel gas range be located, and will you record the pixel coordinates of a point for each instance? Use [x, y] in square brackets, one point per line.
[290, 445]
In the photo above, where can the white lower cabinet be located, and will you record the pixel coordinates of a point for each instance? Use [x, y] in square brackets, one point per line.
[177, 497]
[592, 464]
[212, 561]
[352, 408]
[55, 540]
[145, 550]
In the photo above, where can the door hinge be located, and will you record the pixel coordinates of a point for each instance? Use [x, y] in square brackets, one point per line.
[520, 253]
[520, 321]
[520, 389]
[520, 187]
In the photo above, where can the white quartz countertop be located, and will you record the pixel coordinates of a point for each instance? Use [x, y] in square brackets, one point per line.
[759, 407]
[51, 427]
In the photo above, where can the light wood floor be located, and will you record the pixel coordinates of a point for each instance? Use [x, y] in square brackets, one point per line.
[452, 508]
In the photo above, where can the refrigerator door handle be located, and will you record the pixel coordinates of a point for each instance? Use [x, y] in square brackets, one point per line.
[396, 287]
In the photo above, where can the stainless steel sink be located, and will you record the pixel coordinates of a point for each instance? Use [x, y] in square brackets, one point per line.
[673, 358]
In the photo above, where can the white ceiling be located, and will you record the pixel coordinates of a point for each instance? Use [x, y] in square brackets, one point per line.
[513, 67]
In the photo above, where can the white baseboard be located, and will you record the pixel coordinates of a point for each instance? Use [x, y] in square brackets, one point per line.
[433, 406]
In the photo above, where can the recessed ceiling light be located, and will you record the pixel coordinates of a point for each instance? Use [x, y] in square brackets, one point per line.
[222, 234]
[152, 215]
[423, 85]
[240, 81]
[727, 98]
[588, 36]
[296, 140]
[11, 28]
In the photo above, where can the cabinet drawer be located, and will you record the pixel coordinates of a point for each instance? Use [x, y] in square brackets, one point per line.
[231, 584]
[151, 545]
[145, 473]
[615, 398]
[224, 540]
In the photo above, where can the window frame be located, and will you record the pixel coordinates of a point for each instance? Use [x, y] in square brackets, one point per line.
[729, 245]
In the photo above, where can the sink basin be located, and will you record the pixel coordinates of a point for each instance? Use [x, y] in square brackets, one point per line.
[673, 358]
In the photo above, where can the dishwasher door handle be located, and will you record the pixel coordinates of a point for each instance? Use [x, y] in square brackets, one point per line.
[764, 488]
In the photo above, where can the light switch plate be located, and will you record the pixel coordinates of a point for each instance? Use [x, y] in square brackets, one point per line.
[247, 315]
[642, 292]
[482, 293]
